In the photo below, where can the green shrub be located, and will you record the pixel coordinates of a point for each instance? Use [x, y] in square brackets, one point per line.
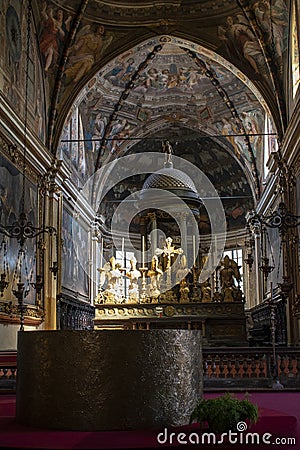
[223, 413]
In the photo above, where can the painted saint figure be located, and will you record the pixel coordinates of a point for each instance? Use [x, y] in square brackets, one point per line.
[88, 46]
[240, 41]
[54, 30]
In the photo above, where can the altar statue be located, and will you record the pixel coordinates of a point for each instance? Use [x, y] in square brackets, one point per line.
[134, 274]
[181, 275]
[205, 288]
[167, 149]
[183, 270]
[168, 255]
[104, 274]
[184, 291]
[114, 290]
[154, 273]
[228, 274]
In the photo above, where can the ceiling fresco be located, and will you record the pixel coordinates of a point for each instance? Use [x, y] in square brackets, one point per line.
[169, 91]
[76, 39]
[118, 72]
[114, 74]
[72, 40]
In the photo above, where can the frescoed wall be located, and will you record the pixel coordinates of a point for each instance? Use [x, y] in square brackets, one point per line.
[246, 41]
[14, 59]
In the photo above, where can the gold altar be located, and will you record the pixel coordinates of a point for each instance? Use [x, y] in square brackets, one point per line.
[168, 295]
[177, 283]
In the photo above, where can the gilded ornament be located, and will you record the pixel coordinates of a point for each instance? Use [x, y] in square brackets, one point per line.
[169, 311]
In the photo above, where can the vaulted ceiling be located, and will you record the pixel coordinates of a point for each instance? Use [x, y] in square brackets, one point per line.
[202, 73]
[251, 37]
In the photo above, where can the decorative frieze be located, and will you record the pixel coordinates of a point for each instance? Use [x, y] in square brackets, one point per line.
[153, 311]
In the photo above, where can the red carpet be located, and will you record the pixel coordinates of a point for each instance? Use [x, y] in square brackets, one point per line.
[281, 423]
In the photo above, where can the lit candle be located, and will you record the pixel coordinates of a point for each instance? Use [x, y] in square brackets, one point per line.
[143, 251]
[194, 249]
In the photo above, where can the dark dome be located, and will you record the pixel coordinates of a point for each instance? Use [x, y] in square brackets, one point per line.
[169, 179]
[176, 182]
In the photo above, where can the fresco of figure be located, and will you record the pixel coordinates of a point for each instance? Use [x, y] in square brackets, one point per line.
[98, 130]
[273, 23]
[53, 33]
[88, 47]
[240, 41]
[252, 126]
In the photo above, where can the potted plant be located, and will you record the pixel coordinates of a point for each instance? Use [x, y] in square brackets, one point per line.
[223, 413]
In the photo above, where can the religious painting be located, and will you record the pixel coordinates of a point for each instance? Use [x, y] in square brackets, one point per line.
[205, 114]
[15, 60]
[253, 123]
[273, 19]
[122, 70]
[295, 26]
[275, 254]
[89, 45]
[11, 187]
[75, 255]
[12, 36]
[240, 44]
[54, 28]
[143, 114]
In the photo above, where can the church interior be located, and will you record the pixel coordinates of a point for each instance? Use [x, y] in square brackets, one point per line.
[150, 179]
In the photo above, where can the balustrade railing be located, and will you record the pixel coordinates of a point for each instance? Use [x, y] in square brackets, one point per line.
[8, 371]
[226, 368]
[250, 367]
